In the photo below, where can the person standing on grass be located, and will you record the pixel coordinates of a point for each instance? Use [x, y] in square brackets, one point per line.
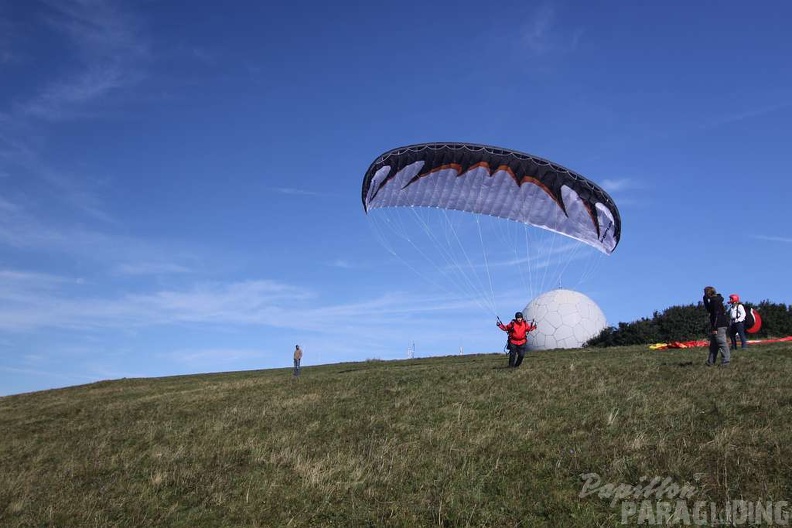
[719, 322]
[518, 337]
[297, 357]
[737, 317]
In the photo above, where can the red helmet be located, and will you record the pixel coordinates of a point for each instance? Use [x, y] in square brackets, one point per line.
[734, 298]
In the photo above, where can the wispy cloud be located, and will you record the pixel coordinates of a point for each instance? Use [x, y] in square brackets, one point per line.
[624, 191]
[786, 240]
[46, 374]
[151, 268]
[8, 207]
[542, 33]
[23, 230]
[104, 55]
[109, 47]
[205, 55]
[342, 264]
[98, 27]
[7, 56]
[7, 275]
[248, 302]
[30, 301]
[537, 31]
[68, 98]
[752, 113]
[617, 185]
[294, 191]
[62, 187]
[27, 304]
[210, 358]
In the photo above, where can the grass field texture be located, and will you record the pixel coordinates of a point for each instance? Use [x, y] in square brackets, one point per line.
[445, 441]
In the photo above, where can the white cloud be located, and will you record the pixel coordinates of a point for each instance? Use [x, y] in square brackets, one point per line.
[109, 49]
[104, 54]
[99, 28]
[26, 305]
[248, 302]
[210, 358]
[120, 255]
[616, 185]
[151, 268]
[20, 229]
[296, 192]
[66, 98]
[7, 34]
[32, 301]
[342, 264]
[10, 276]
[57, 375]
[8, 207]
[786, 240]
[537, 31]
[543, 35]
[737, 117]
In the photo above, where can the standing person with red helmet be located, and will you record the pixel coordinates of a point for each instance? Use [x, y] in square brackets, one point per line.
[737, 321]
[518, 330]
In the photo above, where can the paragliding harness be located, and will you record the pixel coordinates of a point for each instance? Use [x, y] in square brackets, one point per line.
[506, 346]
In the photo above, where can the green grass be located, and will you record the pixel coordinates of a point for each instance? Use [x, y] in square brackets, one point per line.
[451, 441]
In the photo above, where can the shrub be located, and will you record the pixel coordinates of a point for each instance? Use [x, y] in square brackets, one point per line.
[689, 323]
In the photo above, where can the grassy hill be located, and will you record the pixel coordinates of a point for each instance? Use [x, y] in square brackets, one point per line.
[449, 441]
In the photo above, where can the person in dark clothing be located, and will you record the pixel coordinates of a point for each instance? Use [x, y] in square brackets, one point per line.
[719, 323]
[518, 330]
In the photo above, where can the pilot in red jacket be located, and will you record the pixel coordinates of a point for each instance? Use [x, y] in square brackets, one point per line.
[518, 330]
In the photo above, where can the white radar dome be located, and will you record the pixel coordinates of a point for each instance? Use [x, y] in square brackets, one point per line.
[564, 319]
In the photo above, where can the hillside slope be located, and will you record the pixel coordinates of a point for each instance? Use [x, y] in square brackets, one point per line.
[449, 441]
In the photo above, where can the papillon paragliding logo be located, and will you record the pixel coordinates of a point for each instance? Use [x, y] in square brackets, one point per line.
[484, 207]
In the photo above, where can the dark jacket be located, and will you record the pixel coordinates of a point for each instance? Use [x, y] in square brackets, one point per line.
[717, 313]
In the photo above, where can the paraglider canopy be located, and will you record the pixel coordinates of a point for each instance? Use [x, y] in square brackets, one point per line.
[494, 181]
[457, 214]
[757, 322]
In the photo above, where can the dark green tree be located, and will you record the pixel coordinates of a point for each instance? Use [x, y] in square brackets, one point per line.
[689, 323]
[682, 323]
[638, 332]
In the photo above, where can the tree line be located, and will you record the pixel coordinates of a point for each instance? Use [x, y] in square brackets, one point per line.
[690, 323]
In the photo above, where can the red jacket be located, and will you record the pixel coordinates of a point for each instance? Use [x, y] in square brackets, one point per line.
[518, 331]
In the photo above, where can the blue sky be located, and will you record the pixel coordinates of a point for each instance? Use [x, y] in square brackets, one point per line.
[180, 182]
